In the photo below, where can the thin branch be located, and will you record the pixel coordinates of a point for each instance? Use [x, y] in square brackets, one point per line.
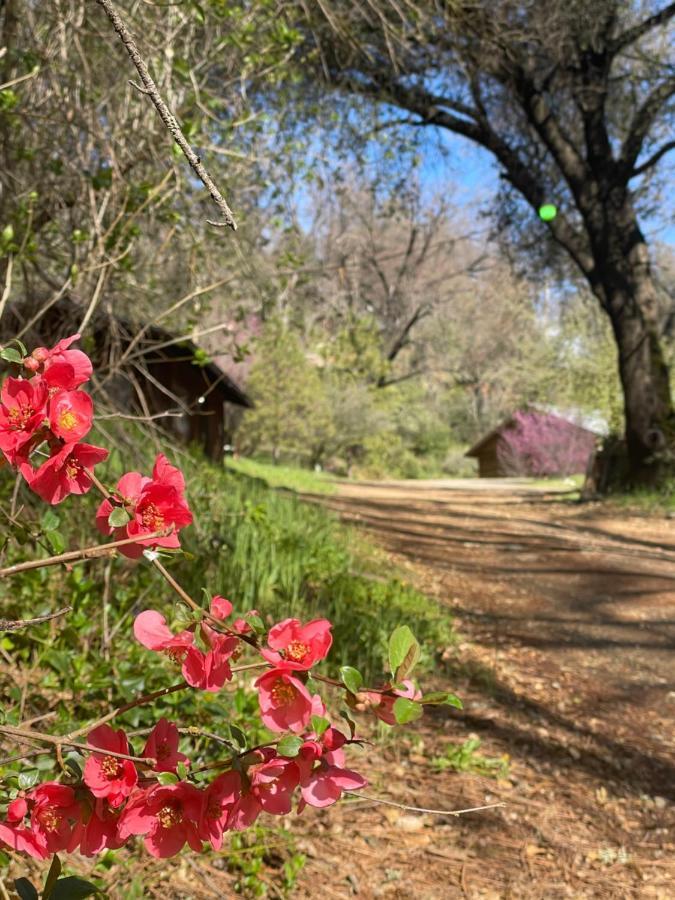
[633, 34]
[167, 117]
[76, 555]
[8, 284]
[21, 735]
[15, 624]
[422, 809]
[653, 159]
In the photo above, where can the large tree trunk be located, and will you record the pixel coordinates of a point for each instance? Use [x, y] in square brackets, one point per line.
[626, 288]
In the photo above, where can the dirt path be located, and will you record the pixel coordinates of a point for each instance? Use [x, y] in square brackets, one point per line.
[567, 666]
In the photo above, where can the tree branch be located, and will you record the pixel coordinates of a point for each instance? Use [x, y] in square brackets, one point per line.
[643, 121]
[653, 159]
[167, 117]
[637, 31]
[15, 624]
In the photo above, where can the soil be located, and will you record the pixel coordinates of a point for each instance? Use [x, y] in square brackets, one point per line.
[566, 613]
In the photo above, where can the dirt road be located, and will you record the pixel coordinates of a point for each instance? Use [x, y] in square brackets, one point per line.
[567, 665]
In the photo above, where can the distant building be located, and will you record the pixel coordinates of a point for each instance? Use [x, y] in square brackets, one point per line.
[534, 443]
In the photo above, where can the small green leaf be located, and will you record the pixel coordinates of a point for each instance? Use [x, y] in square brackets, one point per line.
[256, 623]
[166, 778]
[400, 642]
[56, 541]
[118, 517]
[7, 233]
[347, 716]
[319, 725]
[182, 770]
[9, 354]
[453, 700]
[351, 678]
[238, 737]
[25, 889]
[406, 710]
[409, 662]
[290, 745]
[28, 779]
[52, 875]
[49, 521]
[73, 888]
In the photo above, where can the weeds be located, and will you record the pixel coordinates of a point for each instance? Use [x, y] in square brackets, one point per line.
[466, 758]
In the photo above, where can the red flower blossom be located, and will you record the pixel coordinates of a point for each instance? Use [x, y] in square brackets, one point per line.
[54, 813]
[98, 830]
[22, 412]
[219, 800]
[65, 472]
[71, 414]
[271, 780]
[109, 777]
[296, 646]
[162, 745]
[153, 503]
[324, 786]
[209, 671]
[285, 702]
[150, 629]
[67, 368]
[167, 815]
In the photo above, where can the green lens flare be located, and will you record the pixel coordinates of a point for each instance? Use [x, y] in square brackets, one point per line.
[548, 212]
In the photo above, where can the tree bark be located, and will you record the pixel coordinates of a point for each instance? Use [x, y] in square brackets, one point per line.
[624, 283]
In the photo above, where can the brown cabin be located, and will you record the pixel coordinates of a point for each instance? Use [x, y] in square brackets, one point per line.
[552, 446]
[148, 372]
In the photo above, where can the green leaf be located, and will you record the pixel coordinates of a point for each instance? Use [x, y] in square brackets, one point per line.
[453, 700]
[165, 778]
[409, 662]
[406, 710]
[290, 745]
[182, 770]
[347, 716]
[351, 678]
[56, 541]
[28, 779]
[49, 521]
[319, 725]
[73, 888]
[25, 889]
[9, 354]
[52, 876]
[400, 642]
[238, 737]
[256, 623]
[118, 517]
[4, 859]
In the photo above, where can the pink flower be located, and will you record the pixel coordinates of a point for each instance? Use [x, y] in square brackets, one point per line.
[207, 671]
[71, 414]
[220, 798]
[150, 629]
[66, 369]
[296, 646]
[271, 781]
[325, 785]
[109, 777]
[167, 815]
[22, 840]
[54, 812]
[285, 702]
[154, 504]
[22, 412]
[220, 607]
[98, 830]
[65, 472]
[162, 745]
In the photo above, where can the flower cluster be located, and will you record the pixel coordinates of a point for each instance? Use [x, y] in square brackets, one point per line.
[158, 796]
[46, 410]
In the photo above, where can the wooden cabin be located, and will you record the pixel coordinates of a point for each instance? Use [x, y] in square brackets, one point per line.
[552, 446]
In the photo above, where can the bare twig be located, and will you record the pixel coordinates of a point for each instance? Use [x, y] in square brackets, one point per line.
[421, 809]
[76, 555]
[57, 741]
[8, 284]
[15, 624]
[167, 117]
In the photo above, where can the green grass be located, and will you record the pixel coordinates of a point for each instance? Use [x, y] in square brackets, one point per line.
[467, 758]
[646, 501]
[290, 477]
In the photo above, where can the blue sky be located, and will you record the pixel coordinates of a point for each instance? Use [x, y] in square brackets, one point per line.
[475, 174]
